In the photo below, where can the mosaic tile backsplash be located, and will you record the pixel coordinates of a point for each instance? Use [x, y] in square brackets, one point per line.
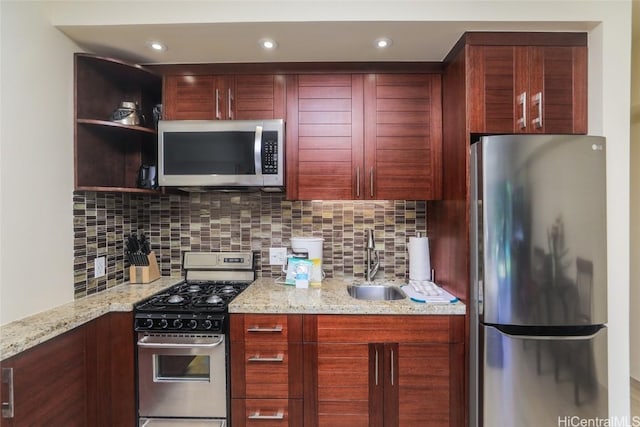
[237, 222]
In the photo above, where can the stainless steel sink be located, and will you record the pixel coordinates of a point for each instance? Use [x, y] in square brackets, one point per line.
[372, 292]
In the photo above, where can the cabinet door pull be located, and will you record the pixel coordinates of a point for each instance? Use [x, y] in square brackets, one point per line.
[391, 366]
[218, 115]
[279, 415]
[230, 101]
[7, 407]
[537, 99]
[376, 370]
[257, 358]
[522, 101]
[358, 182]
[371, 180]
[277, 328]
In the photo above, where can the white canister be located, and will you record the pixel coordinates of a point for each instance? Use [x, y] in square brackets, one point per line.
[313, 247]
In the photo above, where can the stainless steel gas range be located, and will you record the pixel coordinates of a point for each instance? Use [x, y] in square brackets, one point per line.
[183, 346]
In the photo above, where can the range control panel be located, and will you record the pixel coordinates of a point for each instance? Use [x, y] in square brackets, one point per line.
[179, 322]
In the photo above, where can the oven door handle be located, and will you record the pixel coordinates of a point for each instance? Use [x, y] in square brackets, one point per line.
[143, 342]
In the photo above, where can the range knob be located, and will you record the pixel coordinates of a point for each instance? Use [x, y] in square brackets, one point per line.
[148, 323]
[193, 323]
[164, 323]
[207, 324]
[177, 323]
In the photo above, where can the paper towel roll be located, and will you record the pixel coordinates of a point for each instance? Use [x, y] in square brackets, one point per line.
[419, 262]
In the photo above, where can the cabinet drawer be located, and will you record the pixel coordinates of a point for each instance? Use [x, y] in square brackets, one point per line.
[267, 413]
[365, 329]
[267, 370]
[266, 327]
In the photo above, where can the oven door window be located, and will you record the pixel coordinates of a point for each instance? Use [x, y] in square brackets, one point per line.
[181, 368]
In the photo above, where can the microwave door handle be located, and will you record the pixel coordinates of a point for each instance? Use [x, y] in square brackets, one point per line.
[257, 150]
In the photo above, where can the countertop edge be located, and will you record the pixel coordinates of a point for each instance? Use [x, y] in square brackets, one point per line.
[266, 296]
[26, 333]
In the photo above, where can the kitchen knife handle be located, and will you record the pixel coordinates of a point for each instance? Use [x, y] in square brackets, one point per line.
[7, 407]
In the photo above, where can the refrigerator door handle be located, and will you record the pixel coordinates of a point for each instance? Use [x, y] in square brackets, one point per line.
[552, 337]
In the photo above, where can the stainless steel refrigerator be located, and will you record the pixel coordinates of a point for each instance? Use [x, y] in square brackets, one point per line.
[538, 300]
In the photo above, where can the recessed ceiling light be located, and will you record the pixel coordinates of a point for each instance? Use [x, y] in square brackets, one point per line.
[157, 46]
[268, 44]
[383, 42]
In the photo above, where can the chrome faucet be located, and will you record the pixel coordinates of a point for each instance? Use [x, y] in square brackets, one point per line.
[372, 261]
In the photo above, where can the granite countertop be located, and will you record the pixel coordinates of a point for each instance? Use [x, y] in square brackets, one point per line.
[265, 295]
[23, 334]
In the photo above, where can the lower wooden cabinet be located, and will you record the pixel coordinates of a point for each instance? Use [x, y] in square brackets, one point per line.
[347, 370]
[383, 371]
[84, 377]
[111, 394]
[266, 370]
[267, 412]
[49, 383]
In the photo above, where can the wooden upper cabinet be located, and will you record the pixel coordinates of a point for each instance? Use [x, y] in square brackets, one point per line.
[362, 137]
[521, 88]
[558, 88]
[224, 97]
[259, 96]
[324, 136]
[108, 154]
[195, 97]
[403, 136]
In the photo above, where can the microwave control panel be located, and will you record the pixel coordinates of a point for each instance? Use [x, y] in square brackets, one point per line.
[270, 153]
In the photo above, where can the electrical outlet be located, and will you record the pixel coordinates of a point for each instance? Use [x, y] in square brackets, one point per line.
[99, 267]
[277, 256]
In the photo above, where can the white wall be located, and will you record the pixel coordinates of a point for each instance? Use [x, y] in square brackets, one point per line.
[38, 204]
[36, 162]
[634, 300]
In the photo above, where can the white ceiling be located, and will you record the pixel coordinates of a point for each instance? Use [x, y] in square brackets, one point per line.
[237, 42]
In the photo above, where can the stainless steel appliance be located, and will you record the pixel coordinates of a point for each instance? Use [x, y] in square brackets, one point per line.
[538, 301]
[221, 154]
[182, 342]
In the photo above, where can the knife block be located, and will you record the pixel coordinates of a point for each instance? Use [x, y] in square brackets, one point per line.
[145, 273]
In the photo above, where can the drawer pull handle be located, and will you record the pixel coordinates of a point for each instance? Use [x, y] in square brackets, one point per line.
[522, 100]
[279, 415]
[537, 100]
[218, 114]
[258, 358]
[277, 328]
[7, 379]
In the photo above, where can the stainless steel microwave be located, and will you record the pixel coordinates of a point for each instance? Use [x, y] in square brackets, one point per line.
[221, 154]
